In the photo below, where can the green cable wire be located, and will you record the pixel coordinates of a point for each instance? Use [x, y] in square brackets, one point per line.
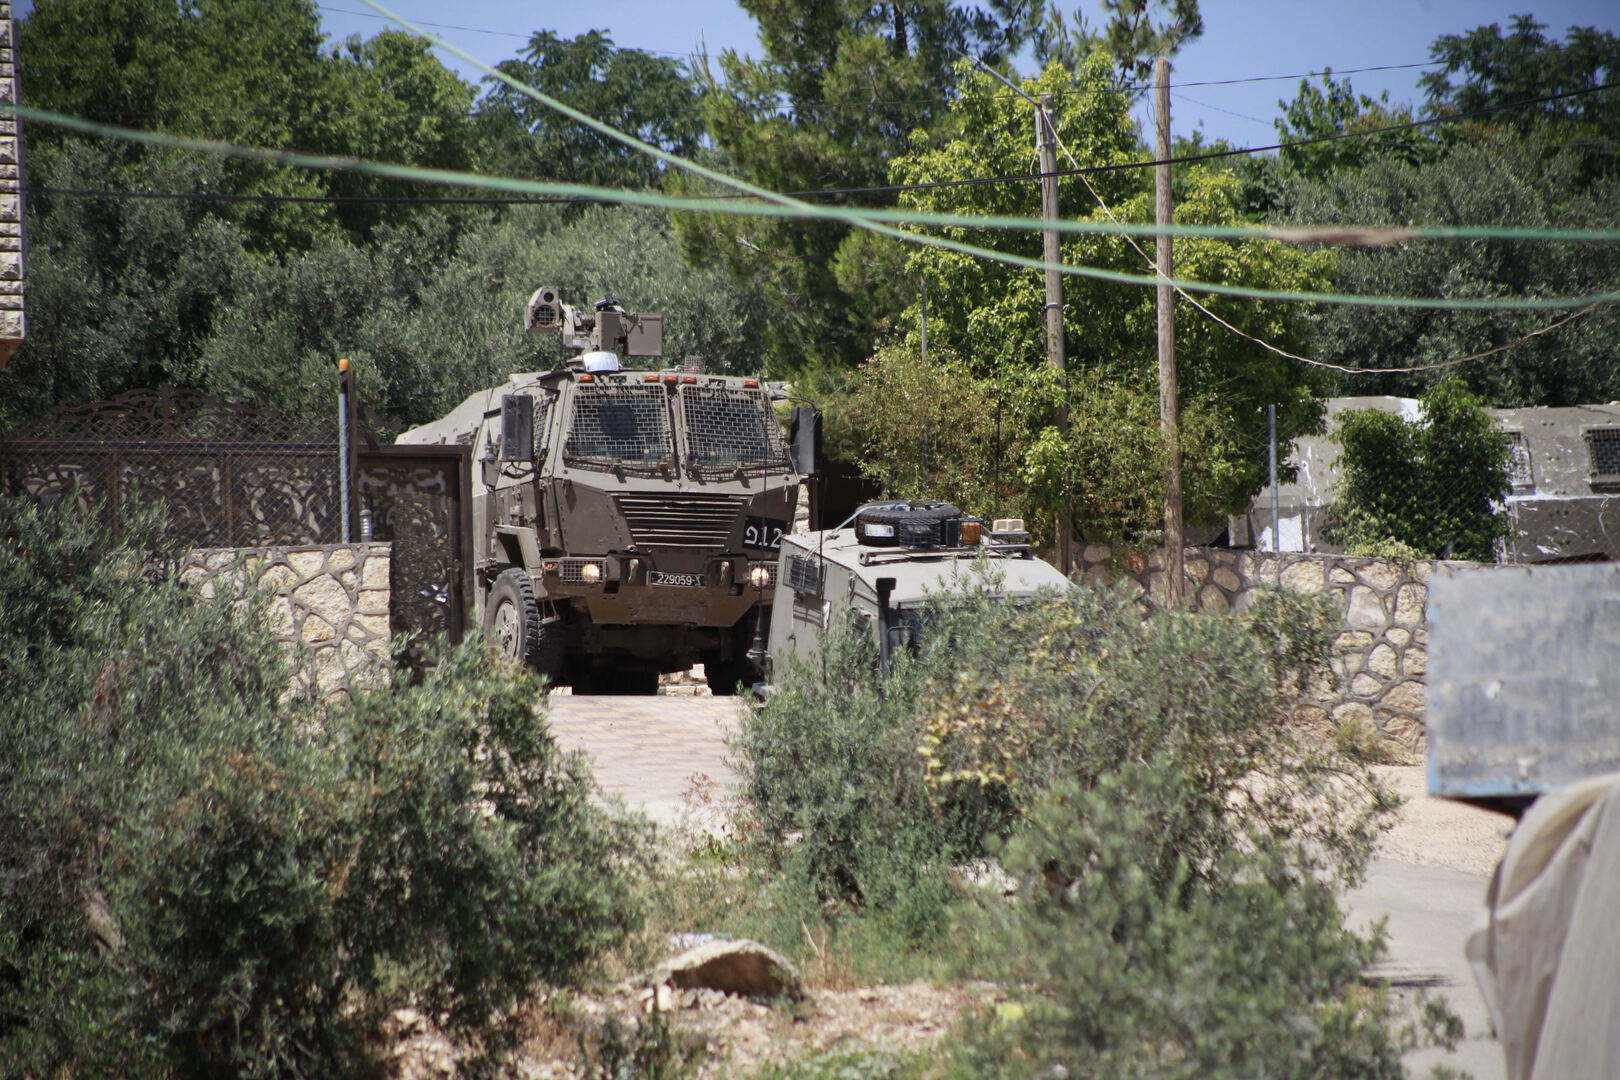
[868, 221]
[794, 209]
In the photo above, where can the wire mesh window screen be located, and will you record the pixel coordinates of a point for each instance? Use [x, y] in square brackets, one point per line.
[1603, 454]
[229, 475]
[620, 426]
[729, 428]
[804, 575]
[1519, 472]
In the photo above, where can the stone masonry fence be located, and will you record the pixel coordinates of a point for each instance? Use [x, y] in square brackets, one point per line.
[1380, 654]
[331, 603]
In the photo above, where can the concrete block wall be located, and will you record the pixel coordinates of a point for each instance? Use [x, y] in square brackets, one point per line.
[1380, 655]
[330, 599]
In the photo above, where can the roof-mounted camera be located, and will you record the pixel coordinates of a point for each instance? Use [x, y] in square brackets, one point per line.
[609, 328]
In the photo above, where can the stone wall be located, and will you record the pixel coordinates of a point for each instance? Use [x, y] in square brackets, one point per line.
[1381, 652]
[11, 207]
[332, 600]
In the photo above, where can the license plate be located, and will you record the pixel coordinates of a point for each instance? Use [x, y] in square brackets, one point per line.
[656, 577]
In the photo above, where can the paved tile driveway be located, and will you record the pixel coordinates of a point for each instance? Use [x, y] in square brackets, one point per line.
[649, 749]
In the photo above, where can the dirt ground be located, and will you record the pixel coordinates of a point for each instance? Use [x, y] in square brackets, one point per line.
[735, 1037]
[1440, 832]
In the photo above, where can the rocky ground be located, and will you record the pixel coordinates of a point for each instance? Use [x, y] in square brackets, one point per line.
[721, 1034]
[732, 1035]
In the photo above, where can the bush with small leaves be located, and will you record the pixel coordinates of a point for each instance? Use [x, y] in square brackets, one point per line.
[871, 788]
[200, 875]
[1130, 953]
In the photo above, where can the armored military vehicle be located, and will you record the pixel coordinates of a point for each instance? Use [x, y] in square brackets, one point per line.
[626, 519]
[885, 563]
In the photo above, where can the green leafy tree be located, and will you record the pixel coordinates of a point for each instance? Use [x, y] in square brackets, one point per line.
[934, 430]
[1497, 69]
[1334, 110]
[1135, 37]
[425, 325]
[652, 97]
[121, 293]
[1508, 182]
[1431, 488]
[841, 87]
[255, 73]
[992, 313]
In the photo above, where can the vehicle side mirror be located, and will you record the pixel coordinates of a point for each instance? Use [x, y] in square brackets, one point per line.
[517, 427]
[804, 438]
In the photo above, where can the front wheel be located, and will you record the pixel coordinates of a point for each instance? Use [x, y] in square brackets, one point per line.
[513, 621]
[725, 676]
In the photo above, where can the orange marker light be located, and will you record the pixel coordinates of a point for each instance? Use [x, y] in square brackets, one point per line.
[670, 379]
[752, 384]
[689, 379]
[587, 378]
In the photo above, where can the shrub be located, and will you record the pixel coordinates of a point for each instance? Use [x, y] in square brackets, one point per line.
[1136, 955]
[1431, 489]
[837, 801]
[202, 876]
[870, 788]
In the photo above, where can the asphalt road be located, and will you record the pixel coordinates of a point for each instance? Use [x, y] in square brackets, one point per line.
[667, 756]
[1430, 912]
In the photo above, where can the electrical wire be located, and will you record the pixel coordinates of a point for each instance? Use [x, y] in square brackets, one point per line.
[1571, 317]
[875, 219]
[1338, 234]
[1152, 265]
[1125, 166]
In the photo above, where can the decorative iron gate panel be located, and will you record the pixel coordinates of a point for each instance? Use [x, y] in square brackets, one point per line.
[418, 499]
[231, 475]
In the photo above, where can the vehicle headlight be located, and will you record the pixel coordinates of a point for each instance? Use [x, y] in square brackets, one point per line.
[759, 575]
[591, 573]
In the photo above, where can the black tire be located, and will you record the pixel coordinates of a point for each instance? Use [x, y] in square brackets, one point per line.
[724, 676]
[926, 516]
[513, 622]
[925, 512]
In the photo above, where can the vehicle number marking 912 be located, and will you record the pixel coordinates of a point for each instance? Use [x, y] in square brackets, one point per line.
[656, 577]
[764, 532]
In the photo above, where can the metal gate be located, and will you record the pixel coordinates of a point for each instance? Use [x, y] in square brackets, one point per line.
[231, 475]
[419, 499]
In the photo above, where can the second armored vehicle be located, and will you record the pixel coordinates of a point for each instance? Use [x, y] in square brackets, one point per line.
[626, 519]
[885, 564]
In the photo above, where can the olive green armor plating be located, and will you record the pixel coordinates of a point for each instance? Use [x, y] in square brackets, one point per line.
[626, 520]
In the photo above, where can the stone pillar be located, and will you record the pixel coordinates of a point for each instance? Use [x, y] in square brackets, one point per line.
[11, 210]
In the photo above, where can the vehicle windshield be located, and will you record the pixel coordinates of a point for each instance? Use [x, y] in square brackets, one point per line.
[620, 427]
[729, 428]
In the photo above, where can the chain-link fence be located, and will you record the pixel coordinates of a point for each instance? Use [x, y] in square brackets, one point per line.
[229, 475]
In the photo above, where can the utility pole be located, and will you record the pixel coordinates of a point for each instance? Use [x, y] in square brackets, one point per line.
[1169, 403]
[925, 320]
[1046, 147]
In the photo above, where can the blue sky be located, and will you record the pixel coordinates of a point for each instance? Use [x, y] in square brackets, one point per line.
[1242, 39]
